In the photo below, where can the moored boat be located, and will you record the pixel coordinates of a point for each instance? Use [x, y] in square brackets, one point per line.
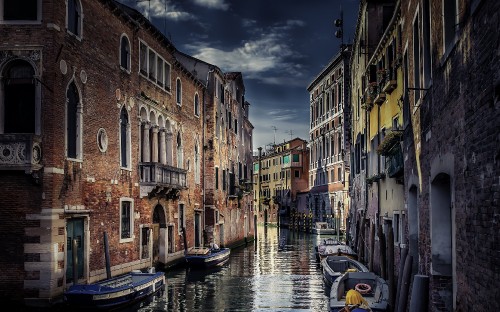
[335, 249]
[335, 266]
[322, 228]
[115, 292]
[373, 288]
[204, 257]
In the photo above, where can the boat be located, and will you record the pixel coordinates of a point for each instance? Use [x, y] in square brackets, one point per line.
[204, 257]
[322, 228]
[335, 266]
[115, 292]
[333, 247]
[325, 242]
[372, 288]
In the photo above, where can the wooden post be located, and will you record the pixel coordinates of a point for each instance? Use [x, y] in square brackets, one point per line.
[372, 246]
[75, 260]
[402, 260]
[390, 268]
[383, 265]
[106, 255]
[361, 241]
[405, 285]
[420, 293]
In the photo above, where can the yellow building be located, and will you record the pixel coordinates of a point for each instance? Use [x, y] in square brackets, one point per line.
[279, 173]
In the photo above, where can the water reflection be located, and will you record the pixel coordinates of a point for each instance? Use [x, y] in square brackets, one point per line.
[278, 272]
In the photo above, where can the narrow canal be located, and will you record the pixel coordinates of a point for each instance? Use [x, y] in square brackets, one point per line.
[277, 272]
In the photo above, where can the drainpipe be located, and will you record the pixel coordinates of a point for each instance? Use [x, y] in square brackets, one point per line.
[203, 151]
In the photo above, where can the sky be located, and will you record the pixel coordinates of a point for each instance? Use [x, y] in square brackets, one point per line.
[280, 47]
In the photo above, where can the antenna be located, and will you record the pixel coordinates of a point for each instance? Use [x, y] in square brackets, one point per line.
[290, 132]
[274, 128]
[149, 6]
[339, 23]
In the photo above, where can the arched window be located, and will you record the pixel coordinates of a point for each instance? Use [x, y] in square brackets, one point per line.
[73, 122]
[125, 53]
[179, 151]
[74, 17]
[196, 164]
[124, 139]
[196, 105]
[179, 92]
[19, 98]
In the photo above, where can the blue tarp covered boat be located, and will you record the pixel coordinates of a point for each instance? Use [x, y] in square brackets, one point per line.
[115, 292]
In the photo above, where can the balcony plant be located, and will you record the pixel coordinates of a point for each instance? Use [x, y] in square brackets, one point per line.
[388, 142]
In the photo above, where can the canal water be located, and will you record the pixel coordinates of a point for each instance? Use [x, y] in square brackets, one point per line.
[277, 272]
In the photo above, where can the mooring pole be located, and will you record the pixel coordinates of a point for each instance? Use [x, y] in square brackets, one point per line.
[106, 255]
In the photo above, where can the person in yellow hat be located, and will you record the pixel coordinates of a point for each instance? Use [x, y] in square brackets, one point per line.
[354, 302]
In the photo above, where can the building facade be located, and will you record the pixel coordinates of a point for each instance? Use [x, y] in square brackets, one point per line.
[103, 135]
[279, 174]
[329, 144]
[425, 132]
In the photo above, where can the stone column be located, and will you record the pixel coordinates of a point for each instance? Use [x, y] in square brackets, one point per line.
[146, 157]
[154, 143]
[163, 147]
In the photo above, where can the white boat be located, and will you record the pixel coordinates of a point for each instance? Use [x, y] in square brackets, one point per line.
[322, 228]
[334, 248]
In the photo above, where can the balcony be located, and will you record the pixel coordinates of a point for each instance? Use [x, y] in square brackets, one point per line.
[394, 162]
[20, 152]
[163, 180]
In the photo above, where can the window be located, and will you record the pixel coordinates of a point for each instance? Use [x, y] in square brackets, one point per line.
[159, 72]
[126, 219]
[180, 152]
[124, 139]
[153, 67]
[416, 61]
[224, 179]
[449, 23]
[396, 226]
[143, 58]
[295, 157]
[125, 53]
[182, 219]
[74, 17]
[19, 100]
[196, 105]
[216, 178]
[197, 164]
[27, 11]
[297, 173]
[178, 92]
[73, 119]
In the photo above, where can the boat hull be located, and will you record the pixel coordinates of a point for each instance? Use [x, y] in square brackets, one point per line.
[377, 297]
[115, 292]
[212, 259]
[335, 266]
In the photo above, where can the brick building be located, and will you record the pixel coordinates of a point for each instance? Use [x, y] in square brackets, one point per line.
[446, 228]
[451, 148]
[102, 138]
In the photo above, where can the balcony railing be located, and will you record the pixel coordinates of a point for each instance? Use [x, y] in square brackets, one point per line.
[162, 175]
[394, 162]
[20, 152]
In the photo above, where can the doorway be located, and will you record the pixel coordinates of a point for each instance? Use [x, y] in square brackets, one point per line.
[75, 232]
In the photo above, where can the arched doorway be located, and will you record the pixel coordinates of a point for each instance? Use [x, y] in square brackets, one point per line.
[413, 225]
[442, 240]
[159, 222]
